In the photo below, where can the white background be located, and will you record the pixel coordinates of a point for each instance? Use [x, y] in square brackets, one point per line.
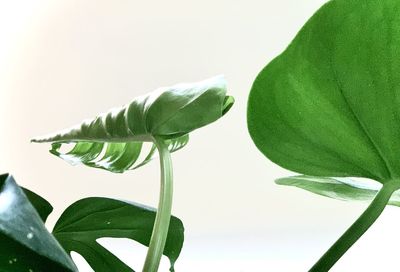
[63, 61]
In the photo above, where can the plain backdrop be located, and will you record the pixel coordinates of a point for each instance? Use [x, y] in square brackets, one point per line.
[63, 61]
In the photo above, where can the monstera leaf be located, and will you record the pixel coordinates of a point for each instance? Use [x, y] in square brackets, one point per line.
[328, 106]
[26, 245]
[113, 140]
[79, 227]
[89, 219]
[117, 157]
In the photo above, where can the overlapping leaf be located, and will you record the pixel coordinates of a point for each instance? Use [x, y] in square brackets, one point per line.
[169, 113]
[41, 205]
[78, 228]
[26, 245]
[89, 219]
[329, 104]
[338, 188]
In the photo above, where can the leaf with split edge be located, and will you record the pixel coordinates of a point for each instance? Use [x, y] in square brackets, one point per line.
[117, 157]
[169, 113]
[338, 188]
[26, 243]
[328, 105]
[89, 219]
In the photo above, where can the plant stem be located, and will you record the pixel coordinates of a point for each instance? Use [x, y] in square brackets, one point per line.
[161, 225]
[359, 227]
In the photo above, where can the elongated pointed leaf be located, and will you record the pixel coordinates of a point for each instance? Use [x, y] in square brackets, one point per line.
[167, 112]
[338, 188]
[26, 245]
[113, 140]
[329, 104]
[92, 218]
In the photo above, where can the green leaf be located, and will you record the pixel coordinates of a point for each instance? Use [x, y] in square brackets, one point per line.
[41, 205]
[116, 157]
[169, 113]
[329, 104]
[92, 218]
[338, 188]
[26, 245]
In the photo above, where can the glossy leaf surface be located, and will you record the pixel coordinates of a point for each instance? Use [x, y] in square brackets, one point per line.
[329, 104]
[338, 188]
[113, 140]
[92, 218]
[26, 245]
[167, 113]
[41, 205]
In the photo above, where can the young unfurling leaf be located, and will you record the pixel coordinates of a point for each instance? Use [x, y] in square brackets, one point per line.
[113, 140]
[164, 117]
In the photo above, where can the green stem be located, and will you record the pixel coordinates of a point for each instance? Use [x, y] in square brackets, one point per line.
[359, 227]
[161, 225]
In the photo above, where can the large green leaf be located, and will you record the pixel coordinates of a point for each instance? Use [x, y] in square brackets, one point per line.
[169, 113]
[329, 104]
[338, 188]
[26, 245]
[92, 218]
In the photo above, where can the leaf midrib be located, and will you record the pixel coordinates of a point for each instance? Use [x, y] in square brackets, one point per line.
[358, 120]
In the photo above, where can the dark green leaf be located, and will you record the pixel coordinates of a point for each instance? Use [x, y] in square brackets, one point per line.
[26, 245]
[329, 104]
[92, 218]
[41, 205]
[338, 188]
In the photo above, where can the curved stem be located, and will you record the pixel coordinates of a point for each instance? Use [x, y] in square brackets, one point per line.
[161, 225]
[359, 227]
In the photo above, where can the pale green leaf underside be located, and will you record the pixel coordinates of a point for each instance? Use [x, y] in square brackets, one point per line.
[338, 188]
[114, 157]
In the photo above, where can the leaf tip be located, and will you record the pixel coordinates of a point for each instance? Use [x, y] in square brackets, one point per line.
[279, 181]
[40, 139]
[228, 103]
